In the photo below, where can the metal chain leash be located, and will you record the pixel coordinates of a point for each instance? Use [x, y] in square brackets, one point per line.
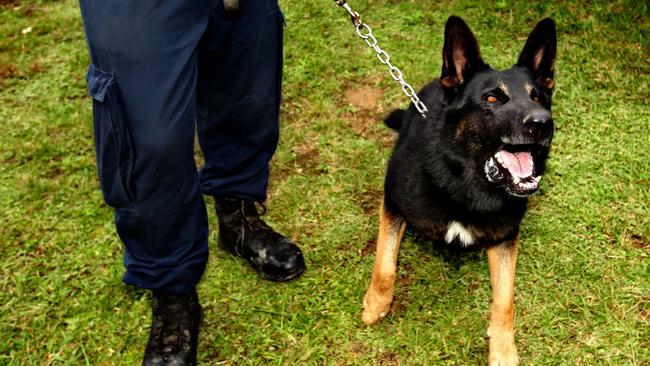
[365, 32]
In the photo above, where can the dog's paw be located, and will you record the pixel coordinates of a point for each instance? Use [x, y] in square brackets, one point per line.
[503, 352]
[375, 307]
[511, 359]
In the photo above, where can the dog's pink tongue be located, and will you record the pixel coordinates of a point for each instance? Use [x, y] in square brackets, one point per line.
[519, 163]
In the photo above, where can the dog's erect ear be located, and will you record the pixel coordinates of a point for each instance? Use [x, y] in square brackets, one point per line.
[538, 54]
[460, 54]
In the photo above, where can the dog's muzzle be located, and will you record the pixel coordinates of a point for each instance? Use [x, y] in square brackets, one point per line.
[514, 170]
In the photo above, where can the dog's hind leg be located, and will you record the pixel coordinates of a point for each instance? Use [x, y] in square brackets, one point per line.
[376, 303]
[502, 261]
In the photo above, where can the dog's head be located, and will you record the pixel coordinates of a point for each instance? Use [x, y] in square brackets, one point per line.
[500, 120]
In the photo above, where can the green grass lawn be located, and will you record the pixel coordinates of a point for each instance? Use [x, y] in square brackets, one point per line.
[583, 282]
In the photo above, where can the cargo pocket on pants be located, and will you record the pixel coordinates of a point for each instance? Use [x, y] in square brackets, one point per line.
[113, 145]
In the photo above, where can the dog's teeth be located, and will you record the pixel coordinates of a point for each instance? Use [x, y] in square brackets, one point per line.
[498, 156]
[537, 179]
[515, 179]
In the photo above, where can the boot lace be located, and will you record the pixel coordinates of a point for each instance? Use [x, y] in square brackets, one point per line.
[171, 329]
[252, 221]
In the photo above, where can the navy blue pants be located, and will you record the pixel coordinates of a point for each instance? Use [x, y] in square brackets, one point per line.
[160, 69]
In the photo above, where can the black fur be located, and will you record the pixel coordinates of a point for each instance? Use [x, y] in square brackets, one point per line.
[436, 173]
[394, 120]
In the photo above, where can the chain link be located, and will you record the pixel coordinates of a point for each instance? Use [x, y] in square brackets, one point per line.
[365, 33]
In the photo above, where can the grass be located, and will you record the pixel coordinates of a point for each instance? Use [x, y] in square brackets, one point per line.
[583, 284]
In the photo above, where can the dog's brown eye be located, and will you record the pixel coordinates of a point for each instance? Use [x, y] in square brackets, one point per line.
[491, 99]
[534, 98]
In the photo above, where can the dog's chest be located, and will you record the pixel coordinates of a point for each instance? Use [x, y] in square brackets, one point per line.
[456, 231]
[466, 235]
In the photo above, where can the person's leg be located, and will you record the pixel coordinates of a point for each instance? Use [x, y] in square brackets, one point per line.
[240, 72]
[143, 82]
[240, 76]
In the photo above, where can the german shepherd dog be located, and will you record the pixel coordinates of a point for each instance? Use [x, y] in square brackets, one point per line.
[462, 175]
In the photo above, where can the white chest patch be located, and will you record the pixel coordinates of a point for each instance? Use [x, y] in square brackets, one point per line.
[456, 230]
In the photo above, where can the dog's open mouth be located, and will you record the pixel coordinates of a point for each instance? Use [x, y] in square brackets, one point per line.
[514, 168]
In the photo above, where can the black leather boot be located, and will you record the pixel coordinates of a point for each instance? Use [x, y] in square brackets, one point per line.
[174, 329]
[244, 234]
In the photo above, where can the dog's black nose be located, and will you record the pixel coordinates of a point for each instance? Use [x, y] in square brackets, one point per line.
[538, 125]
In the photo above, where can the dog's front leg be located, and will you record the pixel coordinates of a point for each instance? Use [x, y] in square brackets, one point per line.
[376, 303]
[502, 260]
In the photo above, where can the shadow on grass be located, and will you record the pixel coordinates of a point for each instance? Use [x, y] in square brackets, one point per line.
[453, 255]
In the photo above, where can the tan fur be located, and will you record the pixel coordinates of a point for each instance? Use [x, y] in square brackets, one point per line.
[504, 88]
[502, 260]
[547, 82]
[529, 88]
[537, 59]
[536, 62]
[376, 303]
[447, 82]
[459, 62]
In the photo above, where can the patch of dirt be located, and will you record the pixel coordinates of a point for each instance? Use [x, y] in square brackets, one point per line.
[307, 158]
[36, 67]
[370, 126]
[8, 71]
[370, 200]
[30, 10]
[9, 3]
[307, 162]
[363, 97]
[471, 287]
[11, 158]
[366, 117]
[639, 241]
[645, 314]
[389, 358]
[279, 172]
[358, 348]
[398, 306]
[309, 227]
[369, 248]
[54, 172]
[37, 252]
